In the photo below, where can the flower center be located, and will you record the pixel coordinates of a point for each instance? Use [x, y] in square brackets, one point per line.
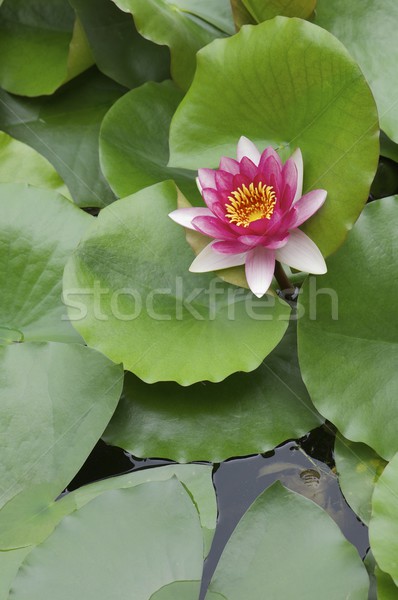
[248, 204]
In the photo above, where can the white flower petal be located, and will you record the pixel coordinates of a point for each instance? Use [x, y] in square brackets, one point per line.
[302, 253]
[210, 260]
[260, 266]
[198, 184]
[247, 148]
[185, 216]
[298, 160]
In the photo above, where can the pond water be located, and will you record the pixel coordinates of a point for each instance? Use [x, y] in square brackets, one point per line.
[305, 466]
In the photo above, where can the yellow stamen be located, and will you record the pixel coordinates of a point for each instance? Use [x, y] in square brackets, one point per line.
[248, 204]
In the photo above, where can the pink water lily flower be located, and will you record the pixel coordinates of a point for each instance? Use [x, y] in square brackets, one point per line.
[254, 208]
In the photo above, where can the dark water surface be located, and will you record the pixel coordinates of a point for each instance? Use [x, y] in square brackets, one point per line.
[305, 466]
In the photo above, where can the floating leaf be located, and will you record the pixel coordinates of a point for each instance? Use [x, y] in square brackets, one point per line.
[9, 565]
[383, 526]
[41, 46]
[172, 25]
[55, 401]
[285, 546]
[33, 253]
[348, 357]
[183, 590]
[386, 589]
[241, 14]
[120, 52]
[245, 414]
[261, 10]
[145, 309]
[359, 467]
[134, 141]
[364, 24]
[64, 128]
[30, 517]
[155, 539]
[21, 164]
[300, 94]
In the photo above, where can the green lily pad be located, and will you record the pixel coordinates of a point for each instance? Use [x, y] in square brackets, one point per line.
[305, 92]
[51, 416]
[241, 14]
[261, 10]
[285, 546]
[21, 164]
[64, 128]
[30, 517]
[183, 590]
[132, 541]
[33, 253]
[359, 468]
[41, 46]
[388, 148]
[134, 141]
[139, 304]
[120, 52]
[386, 588]
[245, 414]
[348, 357]
[383, 526]
[9, 565]
[171, 23]
[364, 24]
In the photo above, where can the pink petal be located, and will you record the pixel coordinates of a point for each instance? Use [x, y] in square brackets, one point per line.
[210, 260]
[198, 184]
[247, 148]
[185, 216]
[277, 242]
[248, 168]
[263, 240]
[207, 178]
[302, 253]
[268, 152]
[270, 167]
[212, 198]
[289, 177]
[308, 205]
[270, 173]
[240, 180]
[230, 247]
[298, 159]
[229, 164]
[213, 227]
[259, 267]
[224, 180]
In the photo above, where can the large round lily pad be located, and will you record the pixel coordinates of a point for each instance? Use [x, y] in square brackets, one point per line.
[261, 10]
[42, 45]
[383, 527]
[120, 52]
[64, 128]
[139, 304]
[182, 25]
[348, 336]
[39, 230]
[55, 401]
[134, 140]
[359, 468]
[368, 28]
[21, 164]
[245, 414]
[285, 546]
[285, 83]
[131, 541]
